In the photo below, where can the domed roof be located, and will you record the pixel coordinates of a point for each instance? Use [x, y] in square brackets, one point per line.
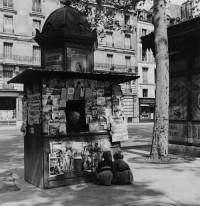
[66, 24]
[65, 16]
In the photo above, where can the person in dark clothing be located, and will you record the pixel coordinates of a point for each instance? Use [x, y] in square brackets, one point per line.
[75, 113]
[104, 169]
[121, 170]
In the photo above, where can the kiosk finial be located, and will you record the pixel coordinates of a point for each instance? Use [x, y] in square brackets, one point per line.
[67, 2]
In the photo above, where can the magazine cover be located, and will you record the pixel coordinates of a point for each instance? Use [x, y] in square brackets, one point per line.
[53, 127]
[101, 101]
[77, 148]
[55, 146]
[55, 167]
[56, 100]
[47, 100]
[70, 93]
[55, 115]
[62, 127]
[94, 84]
[100, 92]
[88, 93]
[62, 115]
[105, 145]
[87, 164]
[63, 94]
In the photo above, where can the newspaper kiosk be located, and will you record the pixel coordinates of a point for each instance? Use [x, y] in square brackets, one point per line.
[71, 113]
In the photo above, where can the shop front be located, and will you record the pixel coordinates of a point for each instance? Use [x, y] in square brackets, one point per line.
[147, 109]
[71, 113]
[10, 108]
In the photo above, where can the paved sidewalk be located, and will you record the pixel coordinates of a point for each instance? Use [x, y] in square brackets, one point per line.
[160, 185]
[154, 185]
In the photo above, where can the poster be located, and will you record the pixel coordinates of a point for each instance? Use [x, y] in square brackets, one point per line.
[77, 60]
[195, 107]
[178, 99]
[75, 156]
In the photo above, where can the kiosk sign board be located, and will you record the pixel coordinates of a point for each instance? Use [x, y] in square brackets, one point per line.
[53, 59]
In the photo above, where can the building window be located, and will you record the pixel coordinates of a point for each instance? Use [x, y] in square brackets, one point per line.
[144, 32]
[8, 24]
[110, 60]
[127, 41]
[145, 92]
[36, 55]
[109, 39]
[8, 3]
[8, 72]
[128, 62]
[7, 50]
[127, 20]
[189, 9]
[37, 6]
[36, 25]
[145, 74]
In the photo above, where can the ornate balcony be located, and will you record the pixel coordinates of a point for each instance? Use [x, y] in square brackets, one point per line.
[19, 59]
[8, 86]
[115, 68]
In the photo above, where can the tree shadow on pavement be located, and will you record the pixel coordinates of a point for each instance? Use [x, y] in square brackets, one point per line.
[84, 194]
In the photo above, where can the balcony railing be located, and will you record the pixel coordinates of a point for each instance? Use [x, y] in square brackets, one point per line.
[8, 86]
[115, 68]
[8, 30]
[19, 59]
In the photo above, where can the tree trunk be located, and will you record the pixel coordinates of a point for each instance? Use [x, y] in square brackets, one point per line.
[160, 131]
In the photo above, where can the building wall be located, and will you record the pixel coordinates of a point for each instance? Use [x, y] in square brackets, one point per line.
[19, 33]
[146, 82]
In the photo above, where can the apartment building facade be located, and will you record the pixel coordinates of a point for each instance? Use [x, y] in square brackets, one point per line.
[117, 53]
[146, 69]
[18, 50]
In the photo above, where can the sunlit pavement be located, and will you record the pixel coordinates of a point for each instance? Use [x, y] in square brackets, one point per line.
[161, 185]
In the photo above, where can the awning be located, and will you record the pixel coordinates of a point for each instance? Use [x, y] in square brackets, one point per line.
[36, 74]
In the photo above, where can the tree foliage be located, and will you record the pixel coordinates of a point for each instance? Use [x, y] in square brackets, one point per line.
[103, 14]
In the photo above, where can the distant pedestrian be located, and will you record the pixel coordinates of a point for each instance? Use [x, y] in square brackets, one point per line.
[121, 170]
[104, 169]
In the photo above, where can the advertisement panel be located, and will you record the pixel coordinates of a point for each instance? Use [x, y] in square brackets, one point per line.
[53, 59]
[195, 106]
[78, 60]
[178, 99]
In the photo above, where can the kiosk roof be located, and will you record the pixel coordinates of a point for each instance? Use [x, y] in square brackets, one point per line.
[37, 74]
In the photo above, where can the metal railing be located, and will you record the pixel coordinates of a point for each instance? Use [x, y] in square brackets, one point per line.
[115, 68]
[8, 86]
[8, 30]
[19, 59]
